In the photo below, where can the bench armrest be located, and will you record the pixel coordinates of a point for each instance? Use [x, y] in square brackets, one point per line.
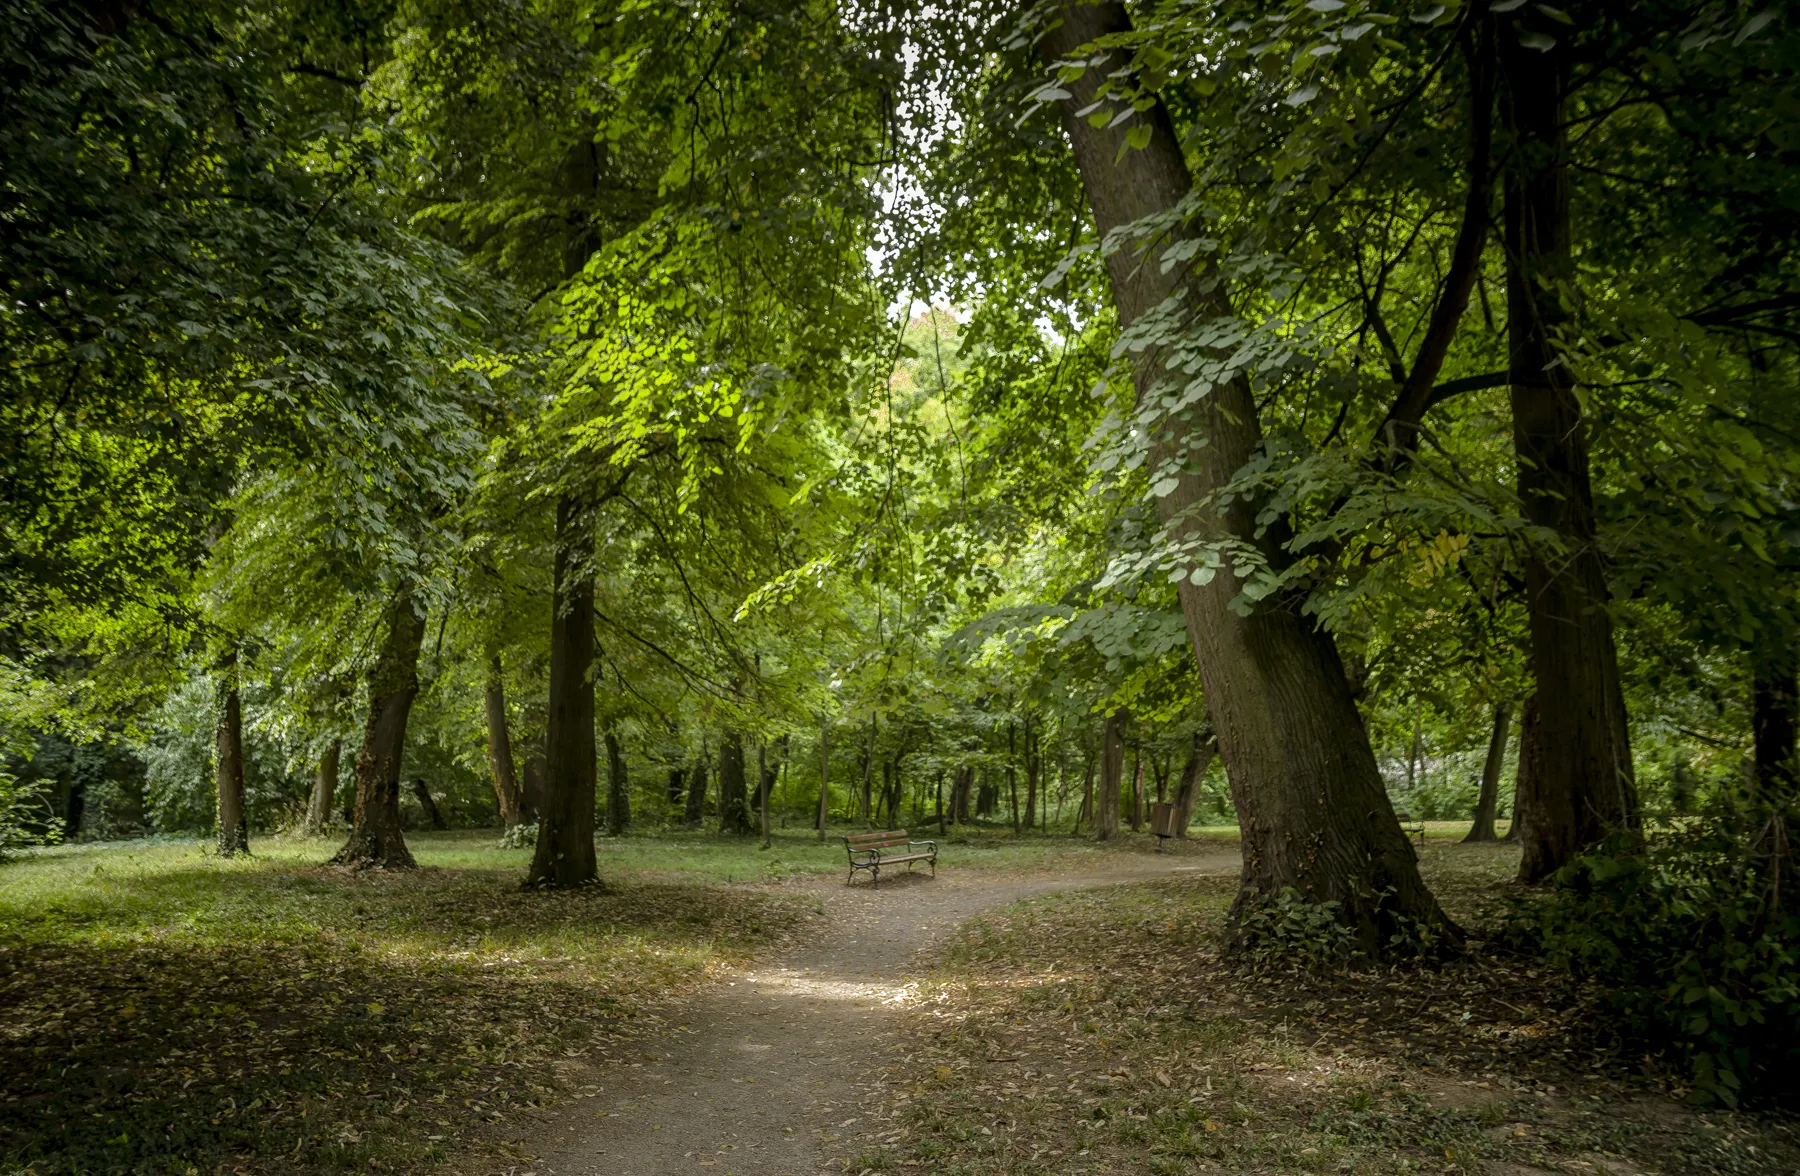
[932, 844]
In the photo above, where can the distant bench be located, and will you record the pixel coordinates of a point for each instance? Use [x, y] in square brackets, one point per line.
[871, 851]
[1412, 826]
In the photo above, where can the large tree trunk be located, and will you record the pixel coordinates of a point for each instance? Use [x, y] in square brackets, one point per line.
[734, 808]
[375, 836]
[1774, 713]
[565, 844]
[1531, 760]
[1489, 800]
[618, 791]
[1311, 803]
[1112, 775]
[1585, 787]
[696, 792]
[324, 789]
[1199, 759]
[507, 795]
[228, 763]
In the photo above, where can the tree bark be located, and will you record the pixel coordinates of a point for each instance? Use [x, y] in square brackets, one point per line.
[228, 764]
[1311, 803]
[1489, 800]
[865, 808]
[1774, 714]
[824, 779]
[1112, 775]
[765, 784]
[428, 804]
[696, 793]
[507, 795]
[1012, 772]
[734, 812]
[1199, 759]
[375, 838]
[618, 790]
[324, 789]
[1531, 759]
[1585, 786]
[1137, 790]
[565, 844]
[1033, 768]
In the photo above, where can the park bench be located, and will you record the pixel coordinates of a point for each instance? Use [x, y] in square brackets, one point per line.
[871, 851]
[1412, 827]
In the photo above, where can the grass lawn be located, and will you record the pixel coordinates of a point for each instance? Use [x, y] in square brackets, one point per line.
[162, 1010]
[1100, 1032]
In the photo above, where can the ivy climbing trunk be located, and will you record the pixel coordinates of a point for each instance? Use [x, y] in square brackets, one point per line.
[618, 792]
[696, 793]
[734, 808]
[324, 788]
[1774, 713]
[1489, 800]
[1584, 786]
[507, 794]
[1311, 803]
[1112, 775]
[375, 839]
[228, 759]
[565, 844]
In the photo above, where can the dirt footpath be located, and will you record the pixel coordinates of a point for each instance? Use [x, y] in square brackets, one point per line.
[748, 1081]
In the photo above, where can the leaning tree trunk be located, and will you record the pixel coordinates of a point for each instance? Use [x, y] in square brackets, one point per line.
[1774, 713]
[228, 739]
[696, 793]
[1585, 786]
[375, 837]
[565, 844]
[618, 795]
[507, 795]
[734, 809]
[1531, 759]
[426, 802]
[1311, 803]
[1489, 800]
[1112, 775]
[325, 786]
[1199, 759]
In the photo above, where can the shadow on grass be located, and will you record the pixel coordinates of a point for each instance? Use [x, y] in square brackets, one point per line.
[311, 1020]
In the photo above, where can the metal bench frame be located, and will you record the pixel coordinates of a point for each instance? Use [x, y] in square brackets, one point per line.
[869, 851]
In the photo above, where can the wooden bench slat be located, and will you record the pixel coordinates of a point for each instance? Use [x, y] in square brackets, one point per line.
[872, 848]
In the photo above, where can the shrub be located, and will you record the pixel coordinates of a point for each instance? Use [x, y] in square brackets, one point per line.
[1695, 935]
[1286, 931]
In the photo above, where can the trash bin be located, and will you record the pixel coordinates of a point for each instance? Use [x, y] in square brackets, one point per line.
[1162, 820]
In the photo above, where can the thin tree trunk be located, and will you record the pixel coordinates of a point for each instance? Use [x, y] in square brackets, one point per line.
[1012, 772]
[734, 811]
[1112, 775]
[565, 844]
[324, 789]
[1199, 759]
[618, 788]
[765, 785]
[696, 791]
[507, 795]
[1137, 790]
[1585, 787]
[865, 810]
[1489, 801]
[1314, 812]
[430, 806]
[228, 731]
[375, 838]
[1415, 753]
[531, 782]
[1774, 714]
[1033, 767]
[1086, 812]
[1531, 760]
[824, 813]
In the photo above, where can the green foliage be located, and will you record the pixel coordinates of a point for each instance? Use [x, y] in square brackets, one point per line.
[1284, 931]
[1696, 938]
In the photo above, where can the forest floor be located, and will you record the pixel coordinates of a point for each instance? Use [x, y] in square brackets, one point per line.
[1043, 1006]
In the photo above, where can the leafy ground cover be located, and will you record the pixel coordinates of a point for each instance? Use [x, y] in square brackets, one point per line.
[1100, 1031]
[165, 1011]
